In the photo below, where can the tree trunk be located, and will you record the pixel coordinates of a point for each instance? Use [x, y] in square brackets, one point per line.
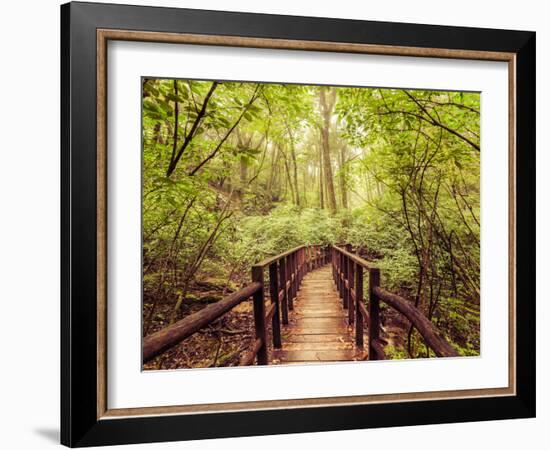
[294, 168]
[243, 167]
[327, 97]
[321, 187]
[343, 179]
[274, 172]
[288, 177]
[305, 180]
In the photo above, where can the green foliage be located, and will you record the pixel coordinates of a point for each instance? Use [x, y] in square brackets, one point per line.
[458, 319]
[393, 352]
[285, 227]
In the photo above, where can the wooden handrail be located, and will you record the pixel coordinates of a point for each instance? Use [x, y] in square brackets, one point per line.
[160, 341]
[348, 276]
[266, 262]
[429, 332]
[356, 259]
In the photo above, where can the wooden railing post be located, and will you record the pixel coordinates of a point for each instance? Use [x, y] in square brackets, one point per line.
[351, 302]
[314, 258]
[282, 285]
[259, 315]
[297, 259]
[288, 287]
[291, 278]
[301, 265]
[335, 253]
[340, 256]
[345, 288]
[359, 323]
[304, 262]
[296, 276]
[332, 264]
[336, 263]
[350, 277]
[298, 268]
[274, 295]
[374, 311]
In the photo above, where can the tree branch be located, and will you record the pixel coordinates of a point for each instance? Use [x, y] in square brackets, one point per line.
[435, 122]
[189, 137]
[219, 146]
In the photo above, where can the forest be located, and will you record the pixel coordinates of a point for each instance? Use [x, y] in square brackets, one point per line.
[233, 172]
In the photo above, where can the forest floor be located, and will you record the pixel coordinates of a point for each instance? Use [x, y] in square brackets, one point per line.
[220, 344]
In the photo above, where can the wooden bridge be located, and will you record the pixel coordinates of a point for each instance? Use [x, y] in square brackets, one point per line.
[318, 326]
[316, 311]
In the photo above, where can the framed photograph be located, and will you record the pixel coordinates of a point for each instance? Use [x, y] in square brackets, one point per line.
[277, 224]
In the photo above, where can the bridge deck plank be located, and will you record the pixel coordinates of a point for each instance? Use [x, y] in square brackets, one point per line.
[318, 328]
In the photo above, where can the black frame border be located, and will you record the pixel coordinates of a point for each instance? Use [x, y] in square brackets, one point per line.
[79, 423]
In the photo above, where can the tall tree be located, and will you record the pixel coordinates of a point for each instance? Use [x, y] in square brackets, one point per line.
[321, 183]
[343, 175]
[327, 100]
[294, 166]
